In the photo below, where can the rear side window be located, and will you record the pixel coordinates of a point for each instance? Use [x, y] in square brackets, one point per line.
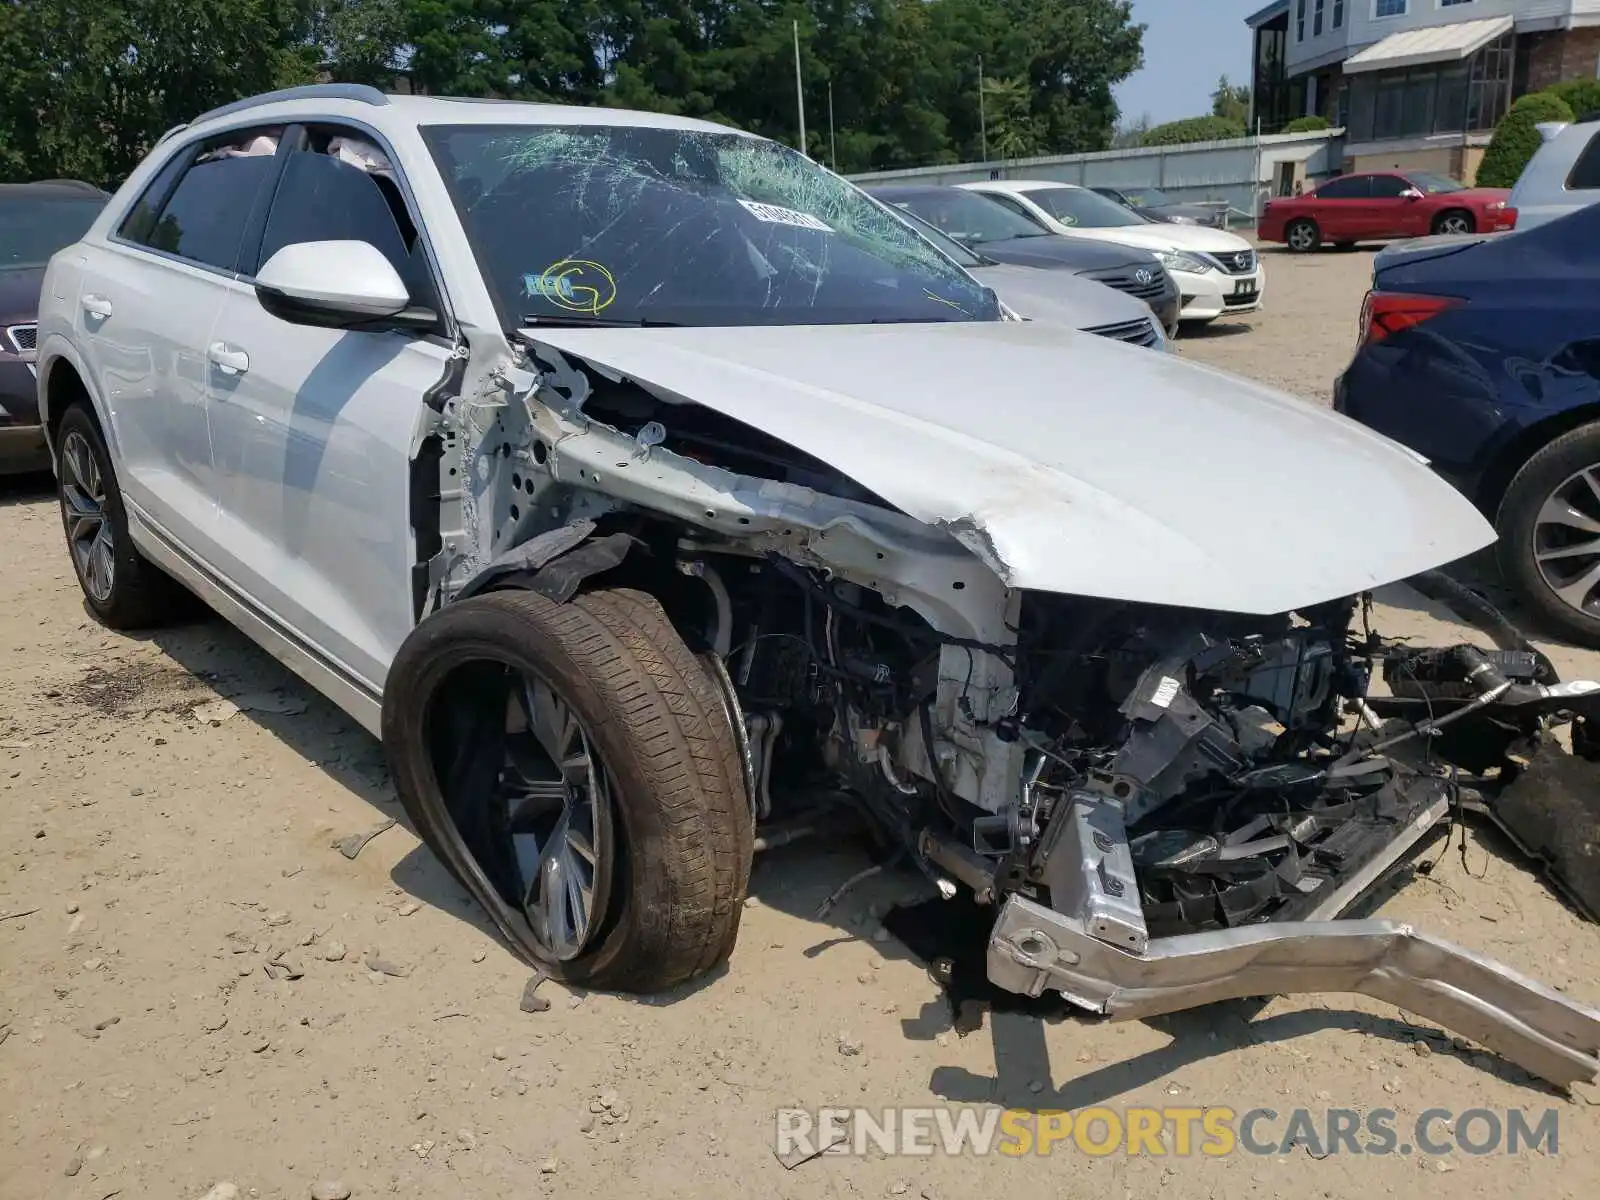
[204, 219]
[1586, 171]
[1353, 187]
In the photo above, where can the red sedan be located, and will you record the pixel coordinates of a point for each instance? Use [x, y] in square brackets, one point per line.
[1388, 204]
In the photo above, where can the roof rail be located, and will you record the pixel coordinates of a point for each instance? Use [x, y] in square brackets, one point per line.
[176, 129]
[359, 92]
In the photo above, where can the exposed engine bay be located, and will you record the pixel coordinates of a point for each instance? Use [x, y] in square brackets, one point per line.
[1165, 805]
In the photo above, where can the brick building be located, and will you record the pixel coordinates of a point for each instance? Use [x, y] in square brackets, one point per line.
[1417, 84]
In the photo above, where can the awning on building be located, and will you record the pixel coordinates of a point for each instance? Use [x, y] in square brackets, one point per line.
[1440, 44]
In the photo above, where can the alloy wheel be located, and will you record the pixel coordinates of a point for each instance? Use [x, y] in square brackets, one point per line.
[556, 796]
[1566, 541]
[1455, 224]
[89, 533]
[1302, 237]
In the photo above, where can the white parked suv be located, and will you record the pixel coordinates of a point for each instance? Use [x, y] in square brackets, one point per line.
[1218, 273]
[640, 482]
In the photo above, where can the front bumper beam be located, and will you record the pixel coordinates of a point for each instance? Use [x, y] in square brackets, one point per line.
[1033, 948]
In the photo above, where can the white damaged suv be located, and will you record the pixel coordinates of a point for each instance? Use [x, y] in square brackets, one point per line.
[642, 483]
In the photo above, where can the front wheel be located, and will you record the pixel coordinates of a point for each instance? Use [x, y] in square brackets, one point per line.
[1549, 527]
[1455, 221]
[575, 768]
[1303, 236]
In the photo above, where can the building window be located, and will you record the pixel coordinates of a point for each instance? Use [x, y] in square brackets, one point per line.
[1300, 21]
[1316, 20]
[1389, 8]
[1453, 3]
[1338, 14]
[1456, 98]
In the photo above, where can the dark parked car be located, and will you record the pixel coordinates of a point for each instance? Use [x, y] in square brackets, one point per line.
[1483, 354]
[1008, 237]
[36, 220]
[1158, 206]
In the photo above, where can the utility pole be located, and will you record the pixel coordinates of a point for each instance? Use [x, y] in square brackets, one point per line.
[983, 121]
[833, 145]
[799, 90]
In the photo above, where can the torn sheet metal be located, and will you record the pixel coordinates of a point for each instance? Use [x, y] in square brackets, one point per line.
[1034, 949]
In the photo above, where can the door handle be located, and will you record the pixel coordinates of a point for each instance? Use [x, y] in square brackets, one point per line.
[97, 306]
[229, 360]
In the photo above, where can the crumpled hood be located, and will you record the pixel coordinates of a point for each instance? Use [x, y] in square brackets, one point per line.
[1070, 463]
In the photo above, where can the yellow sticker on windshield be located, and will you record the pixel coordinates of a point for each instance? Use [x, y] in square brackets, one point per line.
[577, 285]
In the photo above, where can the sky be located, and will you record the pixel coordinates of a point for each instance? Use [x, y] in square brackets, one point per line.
[1188, 44]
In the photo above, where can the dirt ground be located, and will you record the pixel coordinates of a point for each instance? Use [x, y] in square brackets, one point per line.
[188, 993]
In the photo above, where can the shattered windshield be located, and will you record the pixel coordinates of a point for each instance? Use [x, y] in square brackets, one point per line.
[615, 224]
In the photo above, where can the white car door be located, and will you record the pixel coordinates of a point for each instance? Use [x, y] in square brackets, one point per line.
[147, 299]
[313, 428]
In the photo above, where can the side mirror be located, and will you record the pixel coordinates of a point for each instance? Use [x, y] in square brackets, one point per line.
[1411, 194]
[331, 284]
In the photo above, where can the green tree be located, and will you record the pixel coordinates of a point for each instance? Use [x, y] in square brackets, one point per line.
[1229, 102]
[90, 84]
[1516, 139]
[1194, 129]
[1581, 95]
[1013, 132]
[1306, 125]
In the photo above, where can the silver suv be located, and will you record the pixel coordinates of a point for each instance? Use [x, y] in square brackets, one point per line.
[657, 496]
[1562, 177]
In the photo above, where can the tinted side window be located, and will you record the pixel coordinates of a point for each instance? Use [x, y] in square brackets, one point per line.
[1388, 187]
[1353, 187]
[1014, 205]
[325, 199]
[140, 223]
[1586, 171]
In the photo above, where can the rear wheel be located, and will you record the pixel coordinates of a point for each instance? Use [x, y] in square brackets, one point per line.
[121, 587]
[1455, 220]
[1549, 526]
[575, 768]
[1303, 236]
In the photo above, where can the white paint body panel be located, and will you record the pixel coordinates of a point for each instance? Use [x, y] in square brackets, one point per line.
[1089, 467]
[313, 445]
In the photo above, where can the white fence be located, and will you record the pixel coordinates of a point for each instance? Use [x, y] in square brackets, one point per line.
[1242, 173]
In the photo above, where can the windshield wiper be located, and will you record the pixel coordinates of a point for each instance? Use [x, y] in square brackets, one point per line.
[582, 321]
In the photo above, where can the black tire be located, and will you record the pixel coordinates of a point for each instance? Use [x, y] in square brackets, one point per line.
[140, 595]
[1516, 524]
[683, 828]
[1311, 243]
[1451, 215]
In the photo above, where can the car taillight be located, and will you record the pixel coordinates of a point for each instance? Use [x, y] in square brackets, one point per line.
[1386, 313]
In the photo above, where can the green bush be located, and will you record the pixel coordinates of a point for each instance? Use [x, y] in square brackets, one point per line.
[1306, 125]
[1581, 95]
[1516, 138]
[1194, 129]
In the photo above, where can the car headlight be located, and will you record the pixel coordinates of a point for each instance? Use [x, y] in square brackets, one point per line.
[1497, 206]
[1182, 260]
[1182, 221]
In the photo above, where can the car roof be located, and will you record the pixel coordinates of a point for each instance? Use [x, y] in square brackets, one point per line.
[52, 189]
[1021, 185]
[382, 109]
[889, 191]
